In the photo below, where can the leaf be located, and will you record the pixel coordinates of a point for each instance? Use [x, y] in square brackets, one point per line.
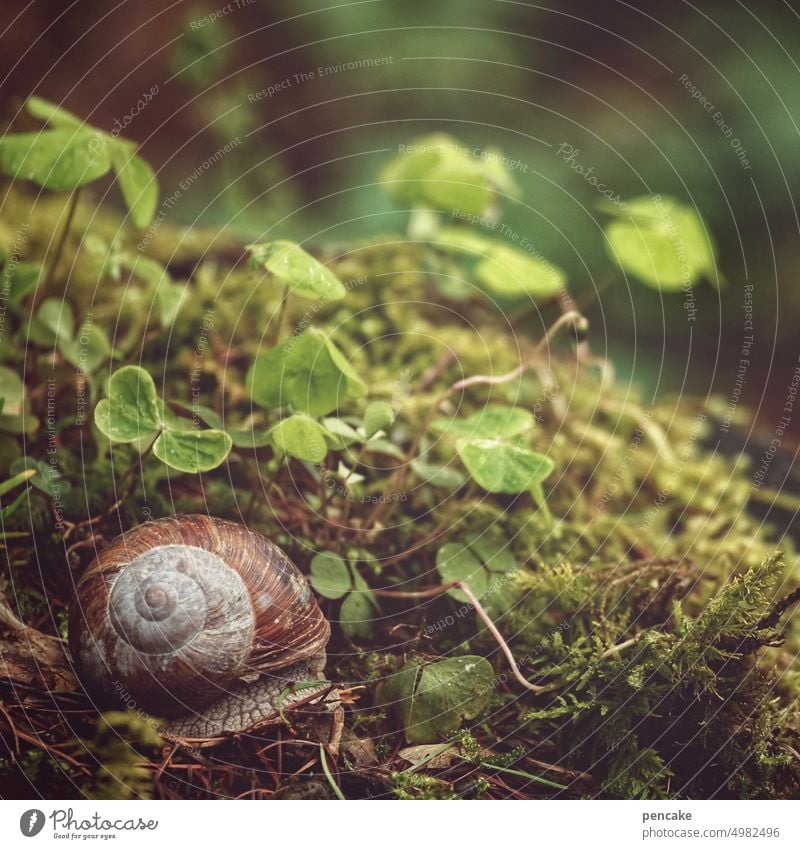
[503, 467]
[265, 377]
[495, 421]
[437, 475]
[508, 271]
[378, 416]
[503, 269]
[340, 434]
[485, 566]
[330, 576]
[42, 475]
[432, 700]
[22, 279]
[356, 387]
[88, 350]
[12, 392]
[192, 450]
[300, 437]
[169, 297]
[661, 242]
[301, 272]
[436, 171]
[131, 411]
[15, 416]
[17, 480]
[356, 614]
[53, 322]
[60, 159]
[313, 376]
[455, 562]
[48, 112]
[137, 182]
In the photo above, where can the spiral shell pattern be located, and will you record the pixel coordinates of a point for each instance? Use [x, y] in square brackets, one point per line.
[177, 612]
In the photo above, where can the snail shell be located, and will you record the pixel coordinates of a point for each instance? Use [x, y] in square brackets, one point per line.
[182, 614]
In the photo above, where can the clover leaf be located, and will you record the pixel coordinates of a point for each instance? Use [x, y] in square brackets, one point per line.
[486, 566]
[71, 153]
[500, 466]
[133, 412]
[436, 172]
[300, 437]
[662, 242]
[504, 270]
[494, 421]
[298, 270]
[60, 159]
[378, 416]
[15, 416]
[332, 578]
[311, 374]
[431, 700]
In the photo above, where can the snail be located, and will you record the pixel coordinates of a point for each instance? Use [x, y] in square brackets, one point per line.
[200, 621]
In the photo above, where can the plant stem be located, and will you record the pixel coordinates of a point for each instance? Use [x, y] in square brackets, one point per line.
[44, 287]
[334, 786]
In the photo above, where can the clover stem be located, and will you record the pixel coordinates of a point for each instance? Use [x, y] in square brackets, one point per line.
[59, 250]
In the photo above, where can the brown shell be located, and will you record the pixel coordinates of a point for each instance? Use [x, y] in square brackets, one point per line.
[262, 616]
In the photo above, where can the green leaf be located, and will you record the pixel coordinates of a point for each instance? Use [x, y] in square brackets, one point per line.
[495, 421]
[88, 350]
[455, 562]
[661, 242]
[53, 322]
[60, 160]
[510, 272]
[378, 416]
[356, 614]
[301, 272]
[12, 392]
[192, 450]
[330, 576]
[17, 480]
[485, 566]
[436, 171]
[131, 411]
[503, 269]
[319, 377]
[48, 112]
[432, 700]
[137, 182]
[265, 378]
[22, 279]
[340, 434]
[356, 388]
[438, 475]
[300, 437]
[169, 298]
[42, 475]
[503, 467]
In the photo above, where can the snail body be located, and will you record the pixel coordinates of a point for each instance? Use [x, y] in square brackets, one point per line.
[199, 620]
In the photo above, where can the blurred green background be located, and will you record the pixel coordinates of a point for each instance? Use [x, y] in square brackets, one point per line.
[699, 101]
